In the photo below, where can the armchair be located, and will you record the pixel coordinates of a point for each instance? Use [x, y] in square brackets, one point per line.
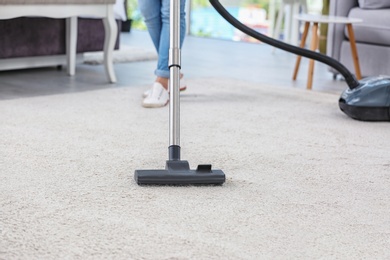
[372, 36]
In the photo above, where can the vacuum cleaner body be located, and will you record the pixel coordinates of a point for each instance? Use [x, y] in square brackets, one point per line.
[370, 101]
[366, 100]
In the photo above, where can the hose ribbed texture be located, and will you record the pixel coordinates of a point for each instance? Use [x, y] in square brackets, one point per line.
[349, 77]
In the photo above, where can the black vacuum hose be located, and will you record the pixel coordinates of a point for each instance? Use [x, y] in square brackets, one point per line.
[349, 77]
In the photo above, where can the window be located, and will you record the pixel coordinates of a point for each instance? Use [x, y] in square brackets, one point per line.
[204, 21]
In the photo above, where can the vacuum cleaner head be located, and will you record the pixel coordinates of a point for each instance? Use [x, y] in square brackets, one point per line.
[177, 172]
[370, 101]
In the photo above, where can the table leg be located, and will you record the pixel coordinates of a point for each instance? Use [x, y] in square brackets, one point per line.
[110, 29]
[355, 56]
[313, 47]
[71, 44]
[302, 45]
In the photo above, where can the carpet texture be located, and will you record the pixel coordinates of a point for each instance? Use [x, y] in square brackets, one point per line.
[304, 181]
[123, 55]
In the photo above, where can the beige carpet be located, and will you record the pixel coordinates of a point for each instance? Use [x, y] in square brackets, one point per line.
[123, 55]
[303, 180]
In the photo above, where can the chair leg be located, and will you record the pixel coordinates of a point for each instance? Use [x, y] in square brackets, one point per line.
[288, 18]
[304, 6]
[294, 24]
[279, 21]
[272, 13]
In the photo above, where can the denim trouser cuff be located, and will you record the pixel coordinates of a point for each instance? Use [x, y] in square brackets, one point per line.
[162, 73]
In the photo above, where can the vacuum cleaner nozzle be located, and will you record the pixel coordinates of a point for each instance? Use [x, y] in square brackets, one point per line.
[178, 172]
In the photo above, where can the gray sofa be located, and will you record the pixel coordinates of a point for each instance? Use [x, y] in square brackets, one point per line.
[29, 39]
[372, 35]
[29, 42]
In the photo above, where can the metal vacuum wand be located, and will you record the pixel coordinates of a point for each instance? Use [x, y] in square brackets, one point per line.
[174, 81]
[177, 171]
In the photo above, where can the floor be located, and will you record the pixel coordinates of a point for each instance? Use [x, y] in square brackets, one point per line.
[201, 57]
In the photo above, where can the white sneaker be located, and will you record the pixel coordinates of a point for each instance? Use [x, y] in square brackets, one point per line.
[182, 88]
[158, 97]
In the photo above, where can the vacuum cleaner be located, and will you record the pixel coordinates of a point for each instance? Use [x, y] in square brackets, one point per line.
[365, 100]
[177, 171]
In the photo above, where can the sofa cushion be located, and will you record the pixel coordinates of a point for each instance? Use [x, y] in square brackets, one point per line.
[39, 36]
[375, 27]
[374, 4]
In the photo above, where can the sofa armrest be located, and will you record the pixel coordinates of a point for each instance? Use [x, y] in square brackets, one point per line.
[336, 32]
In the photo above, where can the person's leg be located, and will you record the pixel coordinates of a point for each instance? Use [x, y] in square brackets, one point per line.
[151, 11]
[182, 21]
[158, 95]
[162, 70]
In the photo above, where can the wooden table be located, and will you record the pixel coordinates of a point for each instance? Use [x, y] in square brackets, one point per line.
[315, 20]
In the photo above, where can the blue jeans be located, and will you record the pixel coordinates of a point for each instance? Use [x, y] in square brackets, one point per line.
[156, 15]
